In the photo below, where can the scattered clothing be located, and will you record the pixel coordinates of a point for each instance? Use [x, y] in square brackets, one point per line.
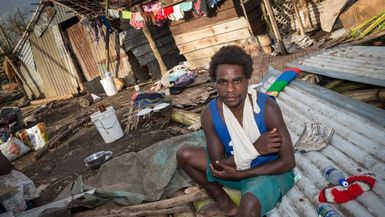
[284, 79]
[314, 137]
[145, 98]
[357, 186]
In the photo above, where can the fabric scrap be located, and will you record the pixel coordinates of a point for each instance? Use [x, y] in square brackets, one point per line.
[357, 186]
[282, 81]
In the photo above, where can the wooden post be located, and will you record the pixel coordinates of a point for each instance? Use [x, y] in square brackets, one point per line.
[300, 24]
[274, 25]
[154, 49]
[107, 40]
[246, 17]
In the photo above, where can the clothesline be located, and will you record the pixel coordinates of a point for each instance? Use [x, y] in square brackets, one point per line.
[155, 13]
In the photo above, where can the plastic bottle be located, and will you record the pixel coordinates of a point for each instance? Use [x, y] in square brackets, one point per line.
[334, 176]
[325, 210]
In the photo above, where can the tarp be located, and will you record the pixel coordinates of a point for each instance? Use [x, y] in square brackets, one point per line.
[147, 175]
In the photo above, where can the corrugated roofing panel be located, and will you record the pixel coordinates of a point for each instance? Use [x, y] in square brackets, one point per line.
[52, 64]
[62, 14]
[28, 70]
[358, 146]
[362, 64]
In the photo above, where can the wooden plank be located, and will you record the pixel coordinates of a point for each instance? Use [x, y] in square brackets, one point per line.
[361, 11]
[214, 40]
[217, 29]
[199, 63]
[209, 51]
[330, 13]
[204, 21]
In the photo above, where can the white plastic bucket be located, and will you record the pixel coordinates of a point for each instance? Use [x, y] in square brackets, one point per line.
[109, 86]
[107, 124]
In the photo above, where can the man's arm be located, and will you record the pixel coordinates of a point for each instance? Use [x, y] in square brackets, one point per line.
[214, 145]
[286, 161]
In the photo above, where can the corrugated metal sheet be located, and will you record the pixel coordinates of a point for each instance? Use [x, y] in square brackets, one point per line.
[362, 64]
[83, 51]
[356, 147]
[62, 14]
[53, 65]
[94, 59]
[28, 70]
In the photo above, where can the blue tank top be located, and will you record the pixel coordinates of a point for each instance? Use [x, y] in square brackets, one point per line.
[224, 136]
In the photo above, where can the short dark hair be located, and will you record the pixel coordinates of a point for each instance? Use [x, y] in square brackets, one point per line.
[233, 55]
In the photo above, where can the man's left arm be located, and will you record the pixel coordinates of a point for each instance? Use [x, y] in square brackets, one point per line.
[286, 161]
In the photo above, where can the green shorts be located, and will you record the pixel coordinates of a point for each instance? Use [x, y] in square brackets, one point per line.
[267, 189]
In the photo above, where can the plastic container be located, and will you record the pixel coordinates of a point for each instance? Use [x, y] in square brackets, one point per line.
[109, 85]
[334, 176]
[325, 210]
[107, 124]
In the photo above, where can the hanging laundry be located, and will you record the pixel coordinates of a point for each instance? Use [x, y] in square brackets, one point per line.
[213, 3]
[106, 23]
[137, 20]
[126, 15]
[186, 6]
[152, 6]
[113, 13]
[177, 15]
[200, 7]
[167, 11]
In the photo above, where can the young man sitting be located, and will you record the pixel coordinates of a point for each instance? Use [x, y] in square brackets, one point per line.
[248, 145]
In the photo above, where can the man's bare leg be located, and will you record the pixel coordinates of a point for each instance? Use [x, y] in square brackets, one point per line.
[193, 160]
[249, 206]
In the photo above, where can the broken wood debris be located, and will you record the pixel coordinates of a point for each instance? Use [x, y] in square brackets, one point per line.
[190, 119]
[167, 206]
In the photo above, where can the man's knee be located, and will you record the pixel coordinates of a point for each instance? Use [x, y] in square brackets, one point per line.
[183, 155]
[250, 205]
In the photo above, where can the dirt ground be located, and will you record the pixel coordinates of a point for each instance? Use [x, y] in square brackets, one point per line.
[59, 167]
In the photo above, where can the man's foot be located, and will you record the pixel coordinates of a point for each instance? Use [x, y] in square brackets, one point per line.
[213, 209]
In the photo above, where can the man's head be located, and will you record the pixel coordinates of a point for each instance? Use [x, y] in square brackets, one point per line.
[231, 55]
[231, 68]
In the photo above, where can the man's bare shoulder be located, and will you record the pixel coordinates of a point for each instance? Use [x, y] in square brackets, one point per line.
[206, 117]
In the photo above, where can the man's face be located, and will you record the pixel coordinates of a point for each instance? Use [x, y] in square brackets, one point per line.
[231, 84]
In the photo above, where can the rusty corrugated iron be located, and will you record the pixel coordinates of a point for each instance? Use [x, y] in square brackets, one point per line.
[90, 52]
[83, 51]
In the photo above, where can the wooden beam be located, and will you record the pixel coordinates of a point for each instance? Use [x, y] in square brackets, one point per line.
[274, 25]
[298, 18]
[154, 49]
[246, 17]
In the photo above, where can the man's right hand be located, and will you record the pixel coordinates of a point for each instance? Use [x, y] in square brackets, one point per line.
[268, 143]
